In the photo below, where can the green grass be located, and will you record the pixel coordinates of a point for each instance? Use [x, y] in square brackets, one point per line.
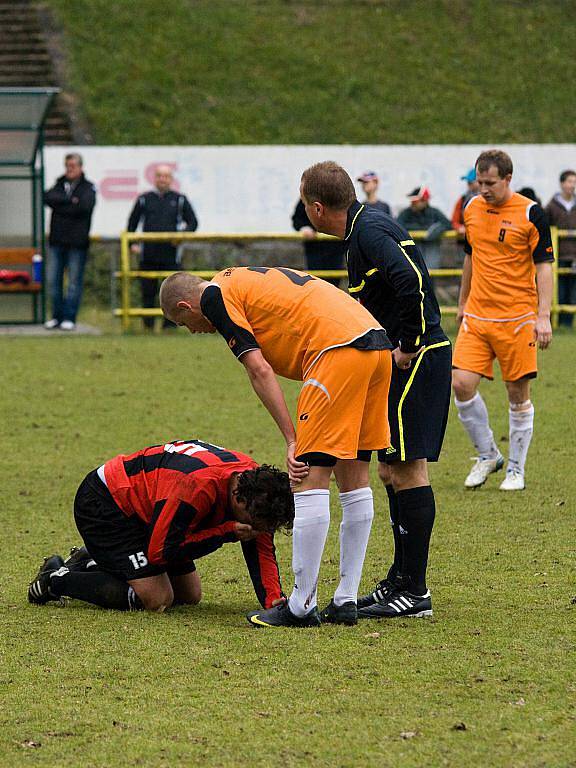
[343, 71]
[198, 686]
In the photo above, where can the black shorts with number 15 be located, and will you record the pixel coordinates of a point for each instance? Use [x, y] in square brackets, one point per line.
[117, 542]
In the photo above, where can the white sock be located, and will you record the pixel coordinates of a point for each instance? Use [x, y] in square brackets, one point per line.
[311, 523]
[521, 428]
[357, 515]
[474, 416]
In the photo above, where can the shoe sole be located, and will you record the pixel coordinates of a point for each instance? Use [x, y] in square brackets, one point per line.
[427, 614]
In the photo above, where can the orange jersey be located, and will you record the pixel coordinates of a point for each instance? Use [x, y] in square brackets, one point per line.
[505, 243]
[290, 315]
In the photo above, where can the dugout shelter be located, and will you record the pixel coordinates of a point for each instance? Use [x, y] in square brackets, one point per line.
[23, 113]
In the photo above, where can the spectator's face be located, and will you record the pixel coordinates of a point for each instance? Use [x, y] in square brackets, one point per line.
[163, 179]
[473, 187]
[419, 205]
[73, 169]
[568, 186]
[369, 186]
[492, 188]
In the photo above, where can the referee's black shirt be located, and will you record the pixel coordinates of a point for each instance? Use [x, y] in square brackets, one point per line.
[387, 274]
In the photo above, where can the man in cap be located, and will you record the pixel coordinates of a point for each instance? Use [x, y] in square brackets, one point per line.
[369, 181]
[458, 212]
[420, 215]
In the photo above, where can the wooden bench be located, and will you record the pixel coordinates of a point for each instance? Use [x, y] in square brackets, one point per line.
[21, 259]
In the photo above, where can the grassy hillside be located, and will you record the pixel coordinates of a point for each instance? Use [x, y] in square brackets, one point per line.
[360, 71]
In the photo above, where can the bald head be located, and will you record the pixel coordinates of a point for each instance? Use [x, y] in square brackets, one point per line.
[180, 286]
[180, 296]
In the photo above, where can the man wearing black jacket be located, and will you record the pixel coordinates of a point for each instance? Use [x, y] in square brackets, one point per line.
[160, 210]
[318, 254]
[387, 274]
[72, 200]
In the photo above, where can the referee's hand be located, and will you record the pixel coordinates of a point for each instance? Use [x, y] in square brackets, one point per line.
[403, 360]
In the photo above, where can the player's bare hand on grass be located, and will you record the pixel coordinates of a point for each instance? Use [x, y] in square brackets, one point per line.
[543, 332]
[297, 470]
[244, 532]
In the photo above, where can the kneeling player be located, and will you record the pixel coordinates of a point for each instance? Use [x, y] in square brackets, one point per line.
[145, 518]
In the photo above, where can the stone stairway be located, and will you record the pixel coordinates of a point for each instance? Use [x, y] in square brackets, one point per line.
[26, 60]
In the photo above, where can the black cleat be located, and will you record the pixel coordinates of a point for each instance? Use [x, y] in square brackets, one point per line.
[381, 591]
[397, 605]
[39, 589]
[282, 616]
[346, 613]
[79, 559]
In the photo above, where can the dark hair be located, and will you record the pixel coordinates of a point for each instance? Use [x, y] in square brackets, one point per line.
[74, 156]
[496, 157]
[268, 497]
[564, 175]
[329, 184]
[530, 194]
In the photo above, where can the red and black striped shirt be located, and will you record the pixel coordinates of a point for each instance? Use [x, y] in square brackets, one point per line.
[180, 490]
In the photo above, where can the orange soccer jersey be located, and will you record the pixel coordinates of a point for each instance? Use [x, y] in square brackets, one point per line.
[291, 316]
[505, 242]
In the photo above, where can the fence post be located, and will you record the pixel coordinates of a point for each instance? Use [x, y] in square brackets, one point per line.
[125, 279]
[554, 309]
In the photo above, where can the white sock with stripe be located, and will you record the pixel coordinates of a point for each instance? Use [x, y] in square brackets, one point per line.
[311, 523]
[474, 416]
[521, 429]
[357, 516]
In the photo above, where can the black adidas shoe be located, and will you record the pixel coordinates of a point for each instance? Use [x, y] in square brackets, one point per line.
[399, 604]
[282, 616]
[79, 559]
[382, 590]
[346, 613]
[39, 589]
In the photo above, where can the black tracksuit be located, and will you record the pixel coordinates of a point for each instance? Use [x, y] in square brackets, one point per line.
[168, 212]
[72, 204]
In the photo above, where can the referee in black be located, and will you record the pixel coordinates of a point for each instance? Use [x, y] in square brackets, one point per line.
[387, 274]
[160, 210]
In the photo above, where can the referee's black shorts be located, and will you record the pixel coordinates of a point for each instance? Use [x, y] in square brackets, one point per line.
[117, 542]
[418, 405]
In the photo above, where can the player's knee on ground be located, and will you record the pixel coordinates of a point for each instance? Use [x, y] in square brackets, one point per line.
[155, 597]
[187, 588]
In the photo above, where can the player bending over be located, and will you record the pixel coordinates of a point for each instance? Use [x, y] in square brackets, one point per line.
[282, 321]
[146, 517]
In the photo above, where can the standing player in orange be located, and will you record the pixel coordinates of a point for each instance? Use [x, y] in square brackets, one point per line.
[285, 322]
[504, 311]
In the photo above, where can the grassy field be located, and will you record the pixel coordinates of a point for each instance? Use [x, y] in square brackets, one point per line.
[341, 71]
[489, 681]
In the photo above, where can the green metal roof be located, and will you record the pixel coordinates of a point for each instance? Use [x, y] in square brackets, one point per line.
[22, 115]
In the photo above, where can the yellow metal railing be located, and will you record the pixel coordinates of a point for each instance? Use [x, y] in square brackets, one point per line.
[126, 312]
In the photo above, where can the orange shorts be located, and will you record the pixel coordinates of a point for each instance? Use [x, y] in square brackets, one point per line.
[343, 403]
[511, 343]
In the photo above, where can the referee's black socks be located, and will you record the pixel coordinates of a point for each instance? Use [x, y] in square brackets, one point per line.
[96, 587]
[395, 572]
[416, 513]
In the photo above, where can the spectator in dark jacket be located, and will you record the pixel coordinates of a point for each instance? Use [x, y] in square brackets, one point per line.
[561, 211]
[160, 210]
[72, 200]
[370, 181]
[318, 254]
[462, 202]
[422, 216]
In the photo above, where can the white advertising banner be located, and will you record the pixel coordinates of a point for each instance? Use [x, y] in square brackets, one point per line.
[255, 188]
